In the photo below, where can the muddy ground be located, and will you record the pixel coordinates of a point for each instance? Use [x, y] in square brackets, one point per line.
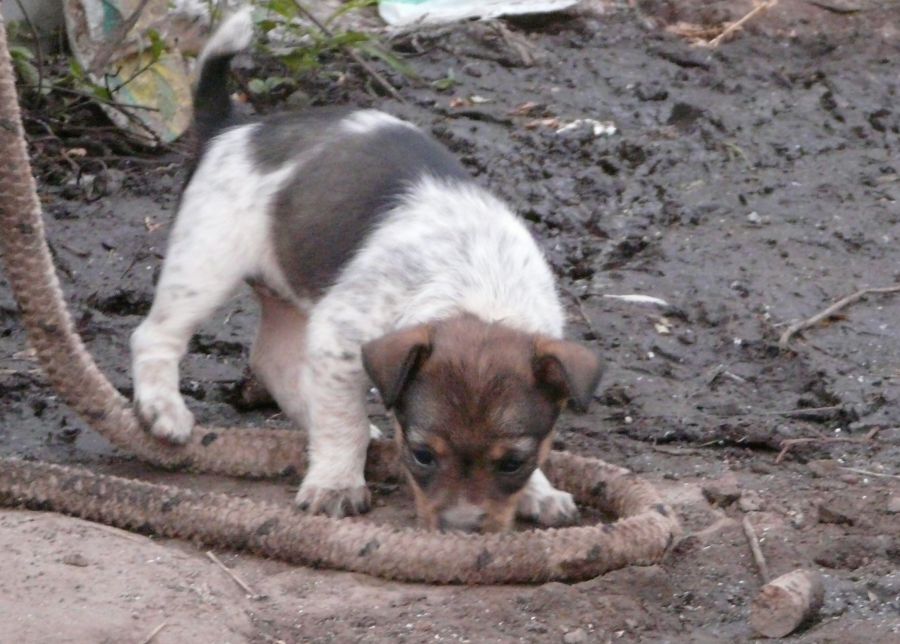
[748, 186]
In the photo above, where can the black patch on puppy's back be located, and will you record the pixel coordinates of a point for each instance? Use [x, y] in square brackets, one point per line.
[283, 138]
[325, 211]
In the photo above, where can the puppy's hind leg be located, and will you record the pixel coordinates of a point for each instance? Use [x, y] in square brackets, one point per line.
[204, 265]
[278, 352]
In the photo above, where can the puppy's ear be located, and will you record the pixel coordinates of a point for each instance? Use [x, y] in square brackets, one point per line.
[566, 370]
[391, 360]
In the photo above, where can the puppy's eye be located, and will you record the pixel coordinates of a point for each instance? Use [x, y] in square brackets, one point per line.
[510, 464]
[423, 456]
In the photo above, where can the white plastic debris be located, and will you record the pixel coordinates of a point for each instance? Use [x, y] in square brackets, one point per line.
[400, 13]
[638, 299]
[599, 128]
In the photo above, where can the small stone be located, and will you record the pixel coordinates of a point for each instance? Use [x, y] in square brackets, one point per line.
[472, 70]
[758, 467]
[754, 218]
[886, 587]
[75, 559]
[824, 468]
[721, 494]
[893, 504]
[750, 501]
[798, 520]
[578, 636]
[552, 597]
[849, 552]
[298, 99]
[838, 512]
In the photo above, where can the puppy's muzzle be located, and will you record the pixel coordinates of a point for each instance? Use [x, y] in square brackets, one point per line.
[462, 516]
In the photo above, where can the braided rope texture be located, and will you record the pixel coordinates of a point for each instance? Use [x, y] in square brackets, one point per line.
[403, 554]
[642, 535]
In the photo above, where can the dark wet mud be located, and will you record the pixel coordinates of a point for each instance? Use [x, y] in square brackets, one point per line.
[745, 187]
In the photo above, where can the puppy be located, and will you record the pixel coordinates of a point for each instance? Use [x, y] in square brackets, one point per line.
[377, 260]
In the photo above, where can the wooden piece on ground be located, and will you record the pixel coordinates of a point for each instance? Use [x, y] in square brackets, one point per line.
[785, 603]
[228, 571]
[755, 550]
[785, 339]
[156, 631]
[763, 6]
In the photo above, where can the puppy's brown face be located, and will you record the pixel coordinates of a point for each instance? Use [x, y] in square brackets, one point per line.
[475, 404]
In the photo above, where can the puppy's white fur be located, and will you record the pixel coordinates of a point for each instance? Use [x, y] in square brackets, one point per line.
[446, 248]
[234, 35]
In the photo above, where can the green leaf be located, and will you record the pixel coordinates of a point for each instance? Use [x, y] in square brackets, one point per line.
[347, 7]
[76, 70]
[300, 60]
[18, 52]
[265, 26]
[392, 61]
[26, 71]
[285, 8]
[101, 92]
[257, 86]
[347, 39]
[274, 82]
[157, 44]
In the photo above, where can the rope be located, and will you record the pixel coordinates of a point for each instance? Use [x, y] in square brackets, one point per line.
[643, 533]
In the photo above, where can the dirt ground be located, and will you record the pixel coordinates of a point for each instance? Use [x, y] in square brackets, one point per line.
[747, 186]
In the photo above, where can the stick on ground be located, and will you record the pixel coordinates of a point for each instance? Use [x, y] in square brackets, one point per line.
[785, 339]
[228, 571]
[788, 443]
[761, 565]
[764, 6]
[156, 631]
[857, 470]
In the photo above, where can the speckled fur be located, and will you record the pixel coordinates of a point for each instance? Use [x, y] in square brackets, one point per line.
[436, 246]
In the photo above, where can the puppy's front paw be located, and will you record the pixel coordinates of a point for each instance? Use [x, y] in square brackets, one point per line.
[334, 502]
[548, 507]
[165, 416]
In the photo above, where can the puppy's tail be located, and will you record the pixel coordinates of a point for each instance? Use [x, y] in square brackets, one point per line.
[212, 105]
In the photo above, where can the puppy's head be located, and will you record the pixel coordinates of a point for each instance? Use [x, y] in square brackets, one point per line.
[475, 404]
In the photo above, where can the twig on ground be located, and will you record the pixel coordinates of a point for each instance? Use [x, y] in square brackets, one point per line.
[134, 75]
[518, 44]
[788, 443]
[873, 433]
[785, 339]
[91, 97]
[802, 411]
[764, 6]
[156, 631]
[122, 534]
[833, 8]
[675, 451]
[228, 571]
[371, 71]
[761, 565]
[638, 299]
[581, 312]
[857, 470]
